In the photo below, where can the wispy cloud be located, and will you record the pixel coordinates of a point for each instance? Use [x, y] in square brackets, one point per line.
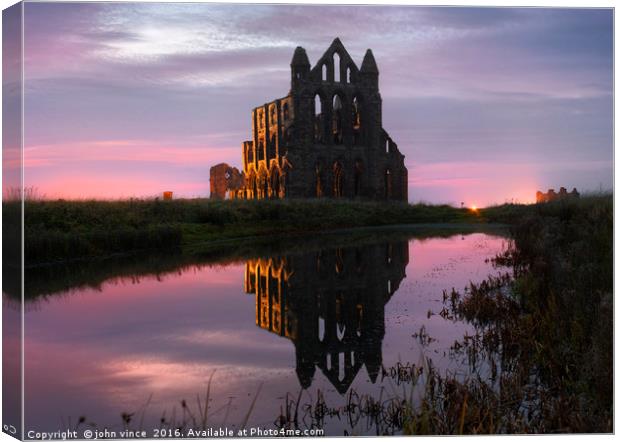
[531, 85]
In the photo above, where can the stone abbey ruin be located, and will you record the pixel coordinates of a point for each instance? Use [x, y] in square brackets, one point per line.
[324, 139]
[551, 195]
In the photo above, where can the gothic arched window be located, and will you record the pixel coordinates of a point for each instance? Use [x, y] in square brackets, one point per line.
[261, 150]
[356, 121]
[275, 183]
[264, 185]
[271, 147]
[337, 119]
[285, 112]
[336, 67]
[338, 180]
[318, 120]
[388, 184]
[272, 114]
[318, 173]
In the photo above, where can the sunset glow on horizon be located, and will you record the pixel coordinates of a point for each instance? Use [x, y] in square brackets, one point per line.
[488, 105]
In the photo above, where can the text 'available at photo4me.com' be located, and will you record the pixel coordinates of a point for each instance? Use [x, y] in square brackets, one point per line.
[168, 433]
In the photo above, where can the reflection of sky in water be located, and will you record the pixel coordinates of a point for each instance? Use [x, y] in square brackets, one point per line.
[101, 353]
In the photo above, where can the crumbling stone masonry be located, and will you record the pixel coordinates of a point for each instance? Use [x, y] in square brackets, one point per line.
[551, 195]
[224, 180]
[325, 138]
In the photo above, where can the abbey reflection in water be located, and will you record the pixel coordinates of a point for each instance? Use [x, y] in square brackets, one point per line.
[330, 303]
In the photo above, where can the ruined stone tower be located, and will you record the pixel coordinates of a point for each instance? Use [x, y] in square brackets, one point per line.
[325, 138]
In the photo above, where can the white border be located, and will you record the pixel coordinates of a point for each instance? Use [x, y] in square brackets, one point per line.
[480, 3]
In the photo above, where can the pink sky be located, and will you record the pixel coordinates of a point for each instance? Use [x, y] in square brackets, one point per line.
[488, 105]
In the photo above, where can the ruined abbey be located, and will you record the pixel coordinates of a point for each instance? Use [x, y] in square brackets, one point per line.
[551, 195]
[324, 139]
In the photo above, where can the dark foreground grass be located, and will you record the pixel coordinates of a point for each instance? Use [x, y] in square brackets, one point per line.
[65, 230]
[58, 231]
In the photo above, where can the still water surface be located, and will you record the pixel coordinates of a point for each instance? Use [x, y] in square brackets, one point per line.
[332, 320]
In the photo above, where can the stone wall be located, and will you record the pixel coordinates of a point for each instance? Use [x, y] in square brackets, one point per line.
[551, 195]
[225, 181]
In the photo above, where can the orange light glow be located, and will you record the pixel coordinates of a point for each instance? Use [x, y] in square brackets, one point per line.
[474, 208]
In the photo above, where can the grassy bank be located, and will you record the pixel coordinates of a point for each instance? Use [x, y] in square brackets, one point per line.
[62, 230]
[57, 231]
[563, 261]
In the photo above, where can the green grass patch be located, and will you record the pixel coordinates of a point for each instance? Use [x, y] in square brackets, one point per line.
[57, 231]
[63, 230]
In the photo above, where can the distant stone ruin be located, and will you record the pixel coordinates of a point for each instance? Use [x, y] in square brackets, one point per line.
[551, 195]
[225, 181]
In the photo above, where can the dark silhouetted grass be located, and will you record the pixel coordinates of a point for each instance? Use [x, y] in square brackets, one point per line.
[57, 231]
[64, 230]
[553, 335]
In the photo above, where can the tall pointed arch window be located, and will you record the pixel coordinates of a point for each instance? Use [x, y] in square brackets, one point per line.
[337, 119]
[338, 180]
[336, 67]
[261, 150]
[356, 120]
[272, 114]
[318, 120]
[271, 147]
[388, 184]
